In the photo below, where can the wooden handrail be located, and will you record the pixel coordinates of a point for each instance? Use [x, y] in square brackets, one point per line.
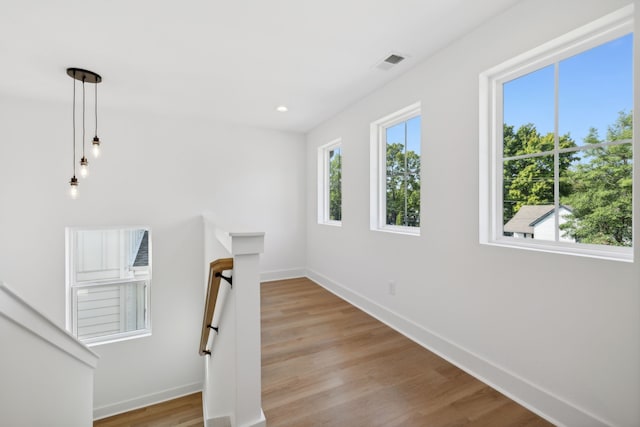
[213, 286]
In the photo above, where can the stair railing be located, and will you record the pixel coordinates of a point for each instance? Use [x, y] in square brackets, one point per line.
[213, 287]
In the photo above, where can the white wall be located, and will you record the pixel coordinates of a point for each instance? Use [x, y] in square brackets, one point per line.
[47, 375]
[563, 336]
[48, 387]
[158, 171]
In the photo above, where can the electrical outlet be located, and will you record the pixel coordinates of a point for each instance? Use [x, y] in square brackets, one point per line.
[392, 288]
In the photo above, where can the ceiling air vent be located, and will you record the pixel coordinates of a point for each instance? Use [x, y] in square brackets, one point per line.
[394, 59]
[390, 61]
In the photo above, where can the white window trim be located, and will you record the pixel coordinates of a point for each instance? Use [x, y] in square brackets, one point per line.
[323, 182]
[605, 29]
[70, 297]
[378, 168]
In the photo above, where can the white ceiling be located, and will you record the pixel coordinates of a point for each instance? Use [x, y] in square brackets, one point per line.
[227, 60]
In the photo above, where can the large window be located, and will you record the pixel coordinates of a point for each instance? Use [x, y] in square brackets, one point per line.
[560, 144]
[395, 172]
[108, 281]
[330, 183]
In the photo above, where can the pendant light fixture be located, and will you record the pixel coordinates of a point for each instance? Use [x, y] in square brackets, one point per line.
[96, 140]
[84, 163]
[84, 76]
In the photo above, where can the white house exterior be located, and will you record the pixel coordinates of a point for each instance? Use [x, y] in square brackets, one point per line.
[538, 222]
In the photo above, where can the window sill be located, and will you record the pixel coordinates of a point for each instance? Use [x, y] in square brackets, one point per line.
[331, 223]
[612, 253]
[394, 229]
[94, 342]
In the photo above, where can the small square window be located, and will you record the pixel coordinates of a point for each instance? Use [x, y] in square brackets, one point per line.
[108, 283]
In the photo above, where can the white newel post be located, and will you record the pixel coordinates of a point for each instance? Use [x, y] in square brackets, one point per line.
[232, 387]
[245, 248]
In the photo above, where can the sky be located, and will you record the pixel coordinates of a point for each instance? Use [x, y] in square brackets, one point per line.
[594, 86]
[397, 134]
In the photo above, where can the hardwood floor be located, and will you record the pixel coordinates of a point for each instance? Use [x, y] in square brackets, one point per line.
[324, 362]
[184, 412]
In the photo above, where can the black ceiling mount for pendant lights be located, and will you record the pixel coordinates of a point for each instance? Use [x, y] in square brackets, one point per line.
[85, 76]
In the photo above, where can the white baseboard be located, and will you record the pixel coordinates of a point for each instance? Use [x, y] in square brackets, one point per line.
[226, 422]
[260, 422]
[218, 422]
[145, 400]
[292, 273]
[532, 397]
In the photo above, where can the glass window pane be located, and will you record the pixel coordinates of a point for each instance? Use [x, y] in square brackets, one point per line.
[110, 309]
[597, 187]
[528, 112]
[98, 255]
[413, 172]
[396, 134]
[335, 184]
[528, 197]
[403, 173]
[395, 186]
[594, 87]
[396, 139]
[138, 248]
[413, 135]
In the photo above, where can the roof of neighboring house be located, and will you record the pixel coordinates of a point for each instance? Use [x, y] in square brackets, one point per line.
[528, 216]
[142, 257]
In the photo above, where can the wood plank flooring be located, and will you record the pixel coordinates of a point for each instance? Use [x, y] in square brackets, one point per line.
[326, 363]
[184, 412]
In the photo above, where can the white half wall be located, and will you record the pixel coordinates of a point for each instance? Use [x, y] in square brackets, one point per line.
[47, 375]
[558, 333]
[159, 171]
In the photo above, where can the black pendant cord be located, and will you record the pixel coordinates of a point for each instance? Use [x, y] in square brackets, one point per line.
[83, 110]
[96, 107]
[74, 126]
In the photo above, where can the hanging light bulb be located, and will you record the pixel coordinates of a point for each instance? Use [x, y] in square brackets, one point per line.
[73, 191]
[96, 147]
[96, 140]
[84, 167]
[84, 163]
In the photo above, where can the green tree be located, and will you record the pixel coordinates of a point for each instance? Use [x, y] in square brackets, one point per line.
[335, 185]
[403, 186]
[601, 200]
[530, 181]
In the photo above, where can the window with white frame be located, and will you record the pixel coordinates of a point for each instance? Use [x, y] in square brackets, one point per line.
[556, 158]
[395, 172]
[108, 275]
[330, 183]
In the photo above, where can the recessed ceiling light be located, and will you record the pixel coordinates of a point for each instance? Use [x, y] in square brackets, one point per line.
[282, 108]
